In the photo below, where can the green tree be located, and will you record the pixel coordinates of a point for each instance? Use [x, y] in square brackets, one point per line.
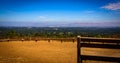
[99, 36]
[61, 34]
[12, 34]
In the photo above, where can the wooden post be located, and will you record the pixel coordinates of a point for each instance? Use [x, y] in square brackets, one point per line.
[48, 40]
[22, 39]
[73, 40]
[36, 40]
[79, 60]
[8, 40]
[61, 40]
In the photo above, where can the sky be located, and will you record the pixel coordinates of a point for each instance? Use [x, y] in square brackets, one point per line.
[60, 13]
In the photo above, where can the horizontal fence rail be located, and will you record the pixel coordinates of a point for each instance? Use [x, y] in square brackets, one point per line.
[106, 40]
[83, 39]
[100, 58]
[108, 46]
[110, 43]
[48, 39]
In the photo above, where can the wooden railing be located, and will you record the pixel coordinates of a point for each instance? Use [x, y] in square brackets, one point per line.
[39, 39]
[110, 43]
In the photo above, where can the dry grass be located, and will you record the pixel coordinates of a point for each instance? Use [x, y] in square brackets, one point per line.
[45, 52]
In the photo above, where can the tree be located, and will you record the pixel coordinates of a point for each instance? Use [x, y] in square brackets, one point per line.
[61, 34]
[12, 34]
[99, 36]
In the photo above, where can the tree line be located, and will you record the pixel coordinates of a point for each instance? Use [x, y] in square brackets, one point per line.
[57, 32]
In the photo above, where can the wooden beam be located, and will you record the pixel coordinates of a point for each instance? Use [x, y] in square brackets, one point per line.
[100, 58]
[107, 46]
[105, 40]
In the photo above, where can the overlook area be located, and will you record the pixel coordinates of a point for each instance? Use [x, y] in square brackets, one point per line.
[59, 31]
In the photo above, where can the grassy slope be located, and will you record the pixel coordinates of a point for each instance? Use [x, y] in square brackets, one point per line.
[45, 52]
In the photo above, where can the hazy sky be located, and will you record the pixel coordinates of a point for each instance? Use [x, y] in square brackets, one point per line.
[60, 13]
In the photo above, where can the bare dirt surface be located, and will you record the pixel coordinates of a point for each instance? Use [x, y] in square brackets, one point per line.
[47, 52]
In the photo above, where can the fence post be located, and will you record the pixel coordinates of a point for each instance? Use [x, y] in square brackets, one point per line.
[79, 60]
[22, 39]
[48, 40]
[73, 40]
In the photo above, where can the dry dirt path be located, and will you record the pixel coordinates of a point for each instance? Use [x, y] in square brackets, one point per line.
[45, 52]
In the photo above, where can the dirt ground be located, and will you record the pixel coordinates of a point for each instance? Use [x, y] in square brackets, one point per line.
[47, 52]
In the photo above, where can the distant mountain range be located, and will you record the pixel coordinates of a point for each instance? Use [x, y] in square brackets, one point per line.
[60, 24]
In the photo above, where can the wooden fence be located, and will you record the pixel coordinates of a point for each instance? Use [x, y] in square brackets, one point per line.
[109, 43]
[39, 39]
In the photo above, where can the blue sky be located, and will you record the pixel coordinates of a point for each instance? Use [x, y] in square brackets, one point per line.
[60, 13]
